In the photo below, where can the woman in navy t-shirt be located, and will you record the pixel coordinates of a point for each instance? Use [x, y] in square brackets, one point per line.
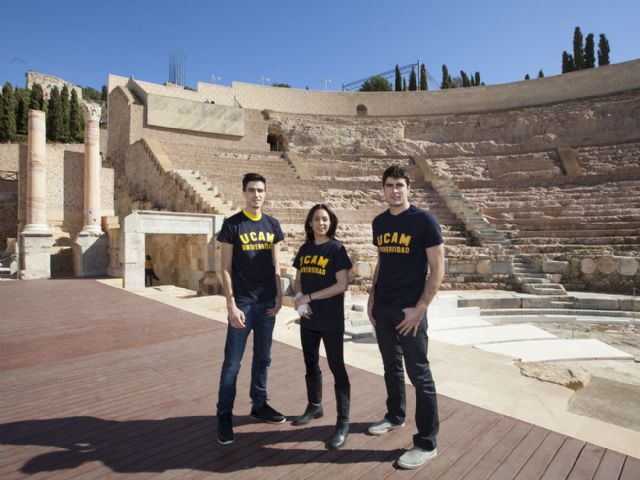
[323, 264]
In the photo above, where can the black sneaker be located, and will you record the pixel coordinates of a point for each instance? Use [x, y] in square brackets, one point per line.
[225, 430]
[267, 414]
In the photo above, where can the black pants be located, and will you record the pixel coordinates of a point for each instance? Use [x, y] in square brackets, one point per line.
[333, 345]
[150, 276]
[393, 348]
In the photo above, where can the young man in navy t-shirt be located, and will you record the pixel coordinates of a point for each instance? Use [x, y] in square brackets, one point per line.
[251, 283]
[408, 241]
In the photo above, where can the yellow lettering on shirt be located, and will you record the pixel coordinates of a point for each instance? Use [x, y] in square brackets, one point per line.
[393, 242]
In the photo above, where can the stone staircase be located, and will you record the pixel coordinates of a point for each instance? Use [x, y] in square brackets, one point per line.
[527, 277]
[209, 198]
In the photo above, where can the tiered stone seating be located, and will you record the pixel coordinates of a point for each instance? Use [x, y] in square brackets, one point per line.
[558, 218]
[598, 160]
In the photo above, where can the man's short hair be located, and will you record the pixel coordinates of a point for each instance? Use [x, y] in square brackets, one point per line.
[395, 171]
[252, 177]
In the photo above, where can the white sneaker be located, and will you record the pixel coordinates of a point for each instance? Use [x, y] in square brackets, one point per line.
[383, 426]
[416, 457]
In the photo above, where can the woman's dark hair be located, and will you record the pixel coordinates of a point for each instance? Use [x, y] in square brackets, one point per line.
[331, 233]
[148, 257]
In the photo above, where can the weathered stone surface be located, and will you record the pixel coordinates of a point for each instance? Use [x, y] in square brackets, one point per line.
[502, 267]
[362, 269]
[627, 266]
[484, 267]
[587, 266]
[606, 265]
[554, 266]
[573, 378]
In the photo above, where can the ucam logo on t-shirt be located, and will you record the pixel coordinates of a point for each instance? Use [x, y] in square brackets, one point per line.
[393, 242]
[257, 240]
[316, 264]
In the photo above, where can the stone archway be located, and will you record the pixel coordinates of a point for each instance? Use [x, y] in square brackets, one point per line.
[142, 222]
[361, 110]
[275, 142]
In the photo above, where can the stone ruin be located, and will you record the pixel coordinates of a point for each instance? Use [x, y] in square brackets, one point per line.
[536, 183]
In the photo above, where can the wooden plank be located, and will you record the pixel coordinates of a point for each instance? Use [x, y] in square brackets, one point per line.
[631, 469]
[610, 466]
[511, 465]
[564, 459]
[542, 457]
[587, 463]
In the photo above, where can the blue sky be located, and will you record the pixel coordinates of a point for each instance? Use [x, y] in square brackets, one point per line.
[302, 42]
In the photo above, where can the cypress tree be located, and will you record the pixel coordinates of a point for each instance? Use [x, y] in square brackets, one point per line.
[36, 101]
[413, 80]
[55, 127]
[22, 110]
[477, 79]
[446, 78]
[603, 50]
[105, 93]
[423, 78]
[8, 116]
[589, 52]
[398, 82]
[578, 49]
[540, 74]
[75, 119]
[567, 62]
[65, 106]
[465, 79]
[404, 84]
[527, 77]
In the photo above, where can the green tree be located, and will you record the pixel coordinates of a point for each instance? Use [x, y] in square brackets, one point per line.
[413, 81]
[423, 78]
[90, 93]
[477, 81]
[540, 74]
[567, 62]
[589, 52]
[22, 110]
[404, 84]
[281, 85]
[527, 77]
[578, 49]
[76, 121]
[65, 106]
[376, 83]
[398, 80]
[36, 101]
[465, 79]
[8, 115]
[104, 94]
[446, 78]
[603, 50]
[55, 126]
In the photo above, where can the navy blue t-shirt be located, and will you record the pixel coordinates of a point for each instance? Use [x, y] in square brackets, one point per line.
[318, 265]
[402, 240]
[253, 274]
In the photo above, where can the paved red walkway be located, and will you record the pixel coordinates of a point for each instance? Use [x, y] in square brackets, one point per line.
[97, 382]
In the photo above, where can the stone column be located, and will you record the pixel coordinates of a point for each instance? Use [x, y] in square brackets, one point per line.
[36, 238]
[92, 168]
[91, 245]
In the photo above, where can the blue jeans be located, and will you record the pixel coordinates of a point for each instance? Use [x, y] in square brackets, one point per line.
[256, 319]
[393, 347]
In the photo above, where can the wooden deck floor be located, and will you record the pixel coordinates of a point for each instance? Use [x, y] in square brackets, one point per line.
[97, 382]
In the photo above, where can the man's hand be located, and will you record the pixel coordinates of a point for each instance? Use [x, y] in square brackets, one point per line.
[272, 312]
[370, 313]
[235, 317]
[411, 322]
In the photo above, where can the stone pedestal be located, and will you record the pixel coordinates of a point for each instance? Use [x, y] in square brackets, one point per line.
[35, 255]
[90, 254]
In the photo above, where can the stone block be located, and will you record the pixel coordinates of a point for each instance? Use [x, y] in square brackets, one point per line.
[483, 267]
[556, 277]
[363, 269]
[627, 266]
[35, 256]
[606, 265]
[587, 266]
[554, 266]
[467, 267]
[502, 267]
[90, 254]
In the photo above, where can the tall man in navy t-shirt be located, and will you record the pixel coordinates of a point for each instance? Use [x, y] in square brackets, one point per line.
[251, 283]
[408, 240]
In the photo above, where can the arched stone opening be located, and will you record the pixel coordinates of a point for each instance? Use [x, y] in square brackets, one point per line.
[361, 110]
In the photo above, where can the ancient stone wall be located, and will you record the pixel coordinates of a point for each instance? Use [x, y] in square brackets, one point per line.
[582, 84]
[178, 259]
[8, 211]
